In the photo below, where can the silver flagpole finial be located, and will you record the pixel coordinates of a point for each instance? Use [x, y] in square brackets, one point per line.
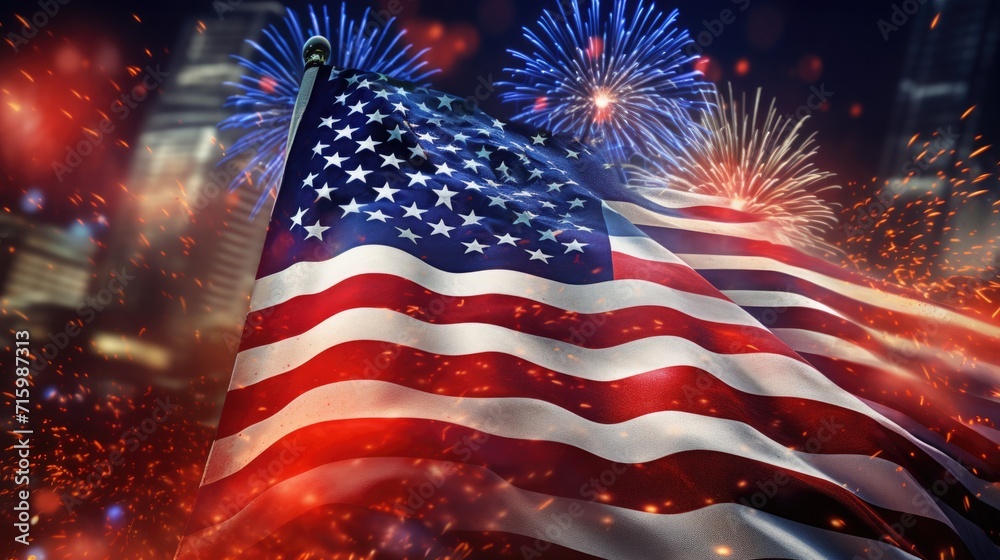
[316, 51]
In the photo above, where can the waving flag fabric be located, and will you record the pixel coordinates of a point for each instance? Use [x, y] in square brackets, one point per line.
[931, 368]
[458, 349]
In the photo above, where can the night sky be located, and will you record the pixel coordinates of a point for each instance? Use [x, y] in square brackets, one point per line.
[70, 72]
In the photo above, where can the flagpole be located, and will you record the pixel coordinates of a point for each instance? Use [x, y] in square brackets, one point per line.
[315, 53]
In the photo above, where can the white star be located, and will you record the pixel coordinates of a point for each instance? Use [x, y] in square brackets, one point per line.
[377, 116]
[484, 153]
[342, 98]
[335, 159]
[358, 108]
[328, 122]
[297, 218]
[325, 192]
[407, 234]
[402, 91]
[507, 238]
[396, 134]
[538, 256]
[413, 211]
[435, 121]
[471, 218]
[368, 144]
[502, 168]
[523, 218]
[386, 192]
[498, 124]
[548, 235]
[352, 208]
[441, 229]
[536, 174]
[400, 107]
[451, 148]
[358, 175]
[444, 196]
[377, 215]
[474, 246]
[555, 186]
[473, 186]
[427, 137]
[538, 139]
[473, 165]
[392, 160]
[576, 203]
[345, 132]
[383, 94]
[584, 228]
[353, 79]
[417, 177]
[497, 201]
[316, 231]
[443, 168]
[484, 132]
[445, 101]
[423, 107]
[418, 152]
[365, 84]
[462, 137]
[308, 181]
[572, 154]
[575, 246]
[319, 147]
[547, 204]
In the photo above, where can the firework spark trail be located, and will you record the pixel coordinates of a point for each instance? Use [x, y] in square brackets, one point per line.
[267, 93]
[619, 80]
[924, 239]
[756, 159]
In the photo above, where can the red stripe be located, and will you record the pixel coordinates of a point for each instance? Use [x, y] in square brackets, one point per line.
[599, 330]
[718, 214]
[349, 532]
[679, 483]
[360, 531]
[673, 275]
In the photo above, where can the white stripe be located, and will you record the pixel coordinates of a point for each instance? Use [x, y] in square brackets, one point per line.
[593, 528]
[757, 231]
[779, 300]
[306, 278]
[863, 294]
[673, 198]
[644, 248]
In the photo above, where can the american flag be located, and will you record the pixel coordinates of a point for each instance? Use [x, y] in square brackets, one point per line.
[461, 345]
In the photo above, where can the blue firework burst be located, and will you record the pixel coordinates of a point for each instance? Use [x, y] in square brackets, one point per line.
[620, 80]
[268, 90]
